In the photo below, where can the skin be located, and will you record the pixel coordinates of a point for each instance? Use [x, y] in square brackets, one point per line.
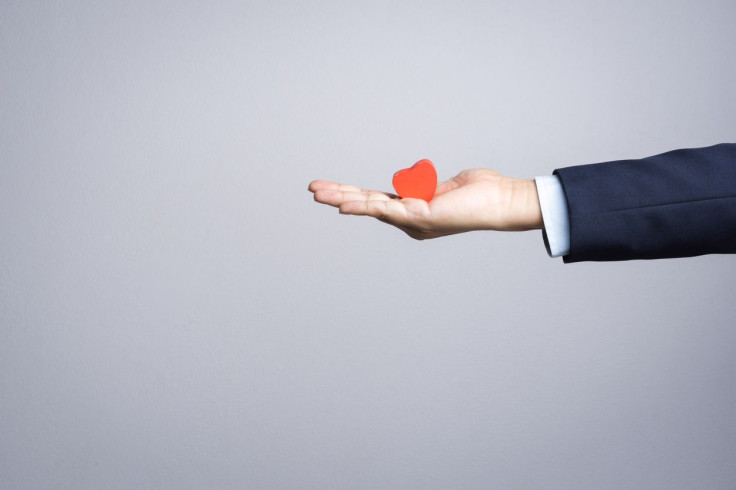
[477, 199]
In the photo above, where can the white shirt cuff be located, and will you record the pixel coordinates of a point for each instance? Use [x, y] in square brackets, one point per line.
[555, 214]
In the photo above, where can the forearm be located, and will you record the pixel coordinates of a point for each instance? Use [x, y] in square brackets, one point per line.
[677, 204]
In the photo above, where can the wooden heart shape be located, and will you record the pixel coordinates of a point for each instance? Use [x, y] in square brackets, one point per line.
[418, 181]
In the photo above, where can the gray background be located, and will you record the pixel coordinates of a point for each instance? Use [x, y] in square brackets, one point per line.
[176, 312]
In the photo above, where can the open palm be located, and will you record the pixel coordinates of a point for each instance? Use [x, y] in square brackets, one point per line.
[477, 199]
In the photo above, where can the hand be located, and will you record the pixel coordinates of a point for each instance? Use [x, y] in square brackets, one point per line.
[478, 199]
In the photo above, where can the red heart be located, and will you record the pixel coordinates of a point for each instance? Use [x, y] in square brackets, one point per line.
[419, 181]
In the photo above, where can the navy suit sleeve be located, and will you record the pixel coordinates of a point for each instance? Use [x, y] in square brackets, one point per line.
[678, 204]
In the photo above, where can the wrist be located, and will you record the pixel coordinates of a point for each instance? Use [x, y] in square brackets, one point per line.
[529, 211]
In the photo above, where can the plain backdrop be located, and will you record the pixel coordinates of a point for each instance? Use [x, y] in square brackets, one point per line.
[176, 311]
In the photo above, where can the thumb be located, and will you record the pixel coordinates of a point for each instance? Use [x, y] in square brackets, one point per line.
[446, 186]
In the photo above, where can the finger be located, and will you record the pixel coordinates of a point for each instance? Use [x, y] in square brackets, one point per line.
[391, 211]
[336, 198]
[317, 185]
